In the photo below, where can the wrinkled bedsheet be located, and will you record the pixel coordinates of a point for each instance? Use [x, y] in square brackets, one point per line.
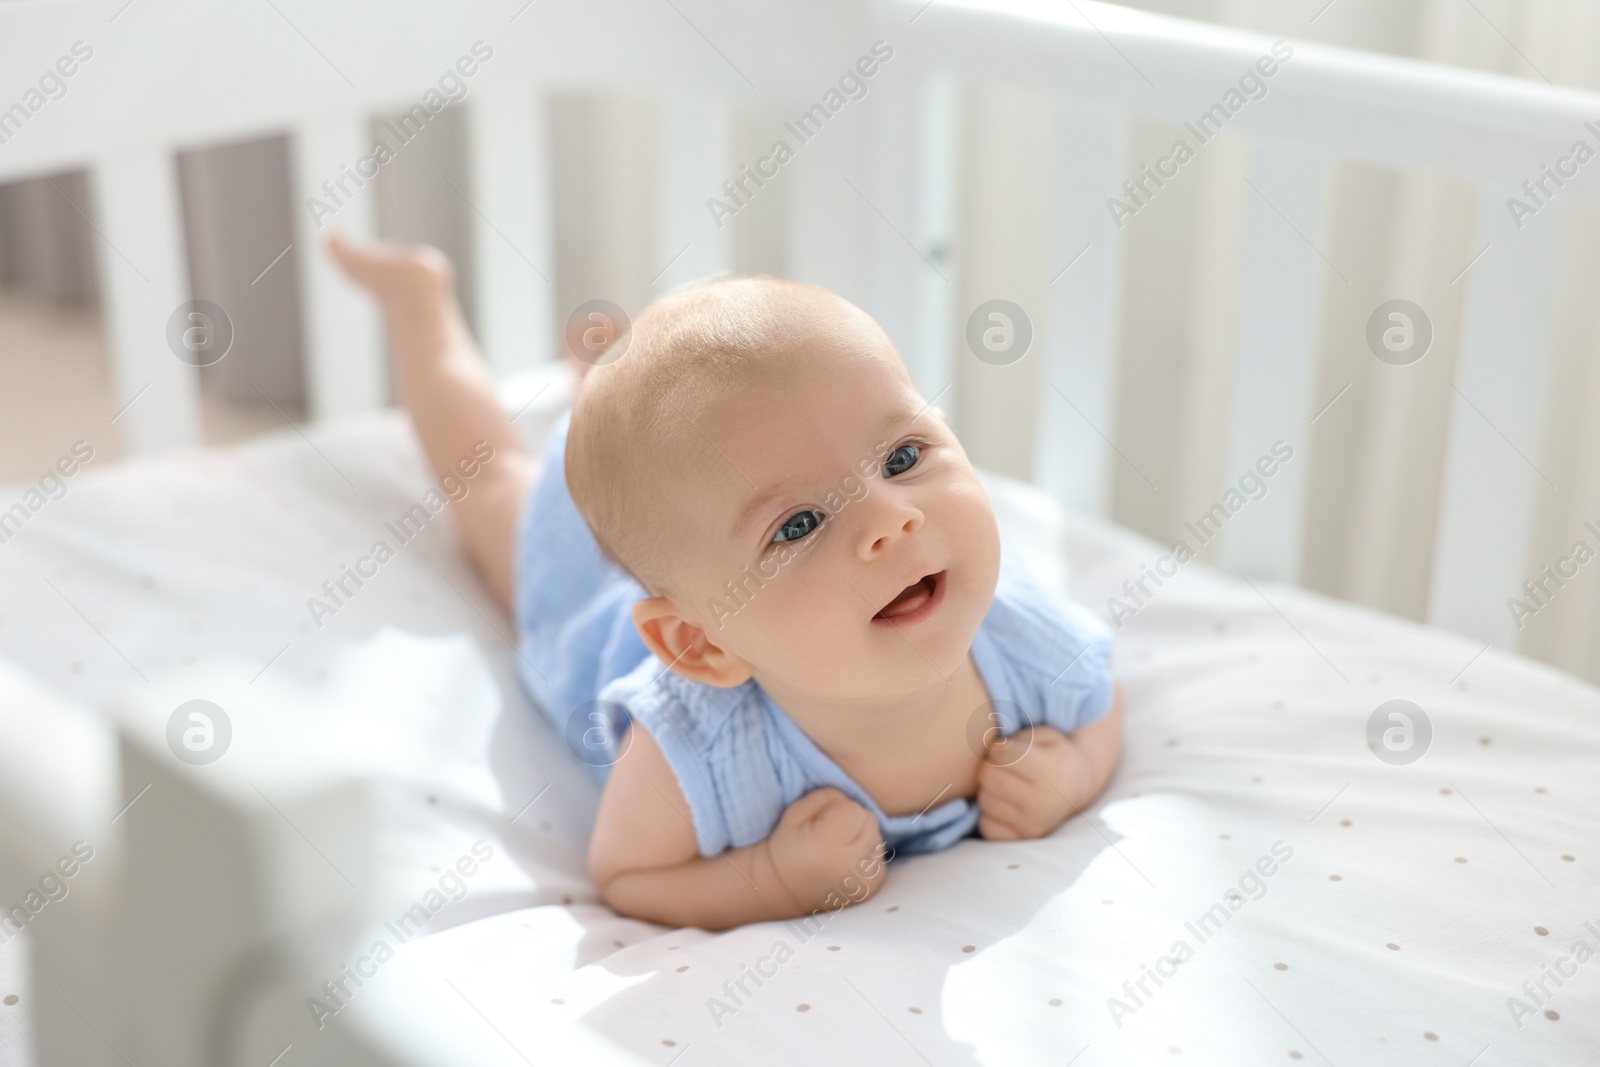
[1256, 886]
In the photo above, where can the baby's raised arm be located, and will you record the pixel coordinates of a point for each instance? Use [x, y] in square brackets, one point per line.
[644, 855]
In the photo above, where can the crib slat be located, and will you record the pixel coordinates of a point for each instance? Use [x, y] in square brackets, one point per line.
[893, 111]
[345, 369]
[933, 341]
[908, 172]
[144, 279]
[1492, 476]
[1280, 308]
[1010, 162]
[508, 142]
[1075, 463]
[1223, 205]
[830, 225]
[696, 151]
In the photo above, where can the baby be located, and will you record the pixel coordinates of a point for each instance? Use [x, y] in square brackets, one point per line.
[759, 585]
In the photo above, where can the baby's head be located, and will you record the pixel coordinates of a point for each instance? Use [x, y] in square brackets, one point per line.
[760, 460]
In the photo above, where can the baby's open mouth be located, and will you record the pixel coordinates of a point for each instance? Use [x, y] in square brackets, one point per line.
[916, 601]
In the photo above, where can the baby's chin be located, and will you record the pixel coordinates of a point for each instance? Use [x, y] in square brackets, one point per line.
[876, 662]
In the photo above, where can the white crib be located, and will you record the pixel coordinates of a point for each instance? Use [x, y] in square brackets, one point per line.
[983, 163]
[894, 209]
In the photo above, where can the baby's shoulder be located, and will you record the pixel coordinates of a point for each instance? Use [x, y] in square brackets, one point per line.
[700, 717]
[1044, 654]
[1037, 625]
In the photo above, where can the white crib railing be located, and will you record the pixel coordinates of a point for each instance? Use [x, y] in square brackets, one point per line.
[901, 212]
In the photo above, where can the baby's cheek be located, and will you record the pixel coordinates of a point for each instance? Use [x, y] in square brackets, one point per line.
[796, 619]
[983, 535]
[833, 616]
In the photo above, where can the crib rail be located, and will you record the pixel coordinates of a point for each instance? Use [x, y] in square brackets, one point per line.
[919, 230]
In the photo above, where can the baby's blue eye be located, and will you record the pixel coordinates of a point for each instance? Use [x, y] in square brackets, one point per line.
[901, 460]
[797, 526]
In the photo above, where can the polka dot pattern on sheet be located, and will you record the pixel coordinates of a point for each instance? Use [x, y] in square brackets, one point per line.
[1205, 775]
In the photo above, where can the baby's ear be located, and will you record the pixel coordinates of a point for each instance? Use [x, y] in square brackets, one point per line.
[684, 646]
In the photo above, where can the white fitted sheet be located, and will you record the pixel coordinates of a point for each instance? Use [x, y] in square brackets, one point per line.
[1246, 723]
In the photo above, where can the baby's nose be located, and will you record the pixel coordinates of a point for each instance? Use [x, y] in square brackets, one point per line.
[886, 532]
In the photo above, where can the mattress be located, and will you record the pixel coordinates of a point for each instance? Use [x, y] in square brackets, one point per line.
[1280, 870]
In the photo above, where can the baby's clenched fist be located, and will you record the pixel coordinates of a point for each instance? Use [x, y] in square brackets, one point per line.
[1027, 784]
[827, 850]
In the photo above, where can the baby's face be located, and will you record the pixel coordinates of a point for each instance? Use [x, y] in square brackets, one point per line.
[840, 542]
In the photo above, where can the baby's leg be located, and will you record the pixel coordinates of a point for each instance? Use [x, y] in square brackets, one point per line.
[443, 381]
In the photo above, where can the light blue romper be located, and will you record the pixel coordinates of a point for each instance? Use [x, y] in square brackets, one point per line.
[739, 758]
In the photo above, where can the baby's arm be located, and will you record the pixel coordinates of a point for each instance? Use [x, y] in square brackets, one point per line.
[825, 852]
[447, 388]
[1057, 776]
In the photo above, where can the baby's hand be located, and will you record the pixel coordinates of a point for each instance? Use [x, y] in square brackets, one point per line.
[826, 850]
[1030, 783]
